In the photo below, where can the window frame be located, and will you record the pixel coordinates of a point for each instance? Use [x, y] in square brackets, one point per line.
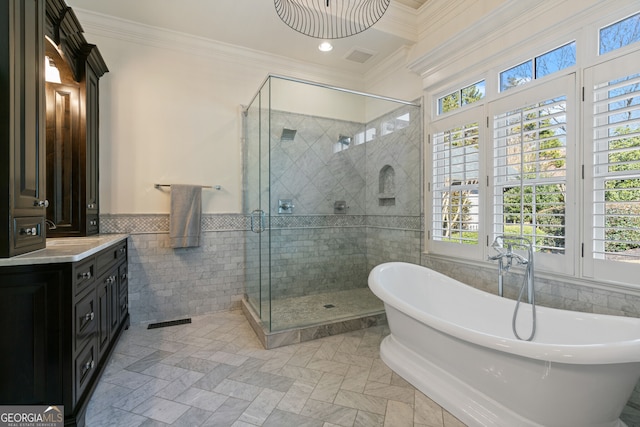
[538, 91]
[584, 30]
[601, 269]
[446, 122]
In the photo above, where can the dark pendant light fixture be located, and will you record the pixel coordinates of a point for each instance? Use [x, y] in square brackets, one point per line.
[330, 19]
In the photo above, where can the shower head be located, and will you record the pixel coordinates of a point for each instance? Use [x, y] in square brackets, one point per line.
[288, 134]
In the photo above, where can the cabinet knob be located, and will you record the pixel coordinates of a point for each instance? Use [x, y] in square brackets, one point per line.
[89, 316]
[123, 277]
[41, 203]
[110, 279]
[85, 275]
[33, 231]
[91, 206]
[93, 222]
[123, 250]
[87, 367]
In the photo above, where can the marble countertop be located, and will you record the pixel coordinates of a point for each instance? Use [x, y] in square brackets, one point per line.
[65, 249]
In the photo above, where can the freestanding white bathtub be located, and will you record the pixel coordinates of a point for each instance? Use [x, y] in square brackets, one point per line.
[455, 344]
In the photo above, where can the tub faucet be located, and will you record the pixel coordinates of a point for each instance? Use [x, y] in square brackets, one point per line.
[508, 253]
[504, 246]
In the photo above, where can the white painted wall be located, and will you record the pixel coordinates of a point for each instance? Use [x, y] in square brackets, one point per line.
[170, 112]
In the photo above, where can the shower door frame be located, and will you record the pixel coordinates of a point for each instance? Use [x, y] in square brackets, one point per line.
[257, 202]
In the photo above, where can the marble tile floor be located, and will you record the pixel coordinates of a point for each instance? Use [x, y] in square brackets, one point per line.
[214, 372]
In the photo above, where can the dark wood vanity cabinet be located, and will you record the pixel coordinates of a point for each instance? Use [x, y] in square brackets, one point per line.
[72, 126]
[61, 322]
[48, 132]
[22, 142]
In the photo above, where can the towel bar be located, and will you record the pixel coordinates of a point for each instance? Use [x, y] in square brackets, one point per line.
[217, 187]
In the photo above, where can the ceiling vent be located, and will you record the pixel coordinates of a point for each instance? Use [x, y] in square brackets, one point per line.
[359, 55]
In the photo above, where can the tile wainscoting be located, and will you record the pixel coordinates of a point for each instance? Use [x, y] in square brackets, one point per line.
[167, 284]
[162, 278]
[549, 292]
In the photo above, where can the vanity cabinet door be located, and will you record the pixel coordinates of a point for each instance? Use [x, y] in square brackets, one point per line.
[92, 147]
[22, 141]
[31, 349]
[28, 97]
[123, 289]
[107, 303]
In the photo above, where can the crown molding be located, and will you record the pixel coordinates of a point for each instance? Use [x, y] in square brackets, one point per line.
[436, 11]
[472, 41]
[499, 34]
[135, 32]
[401, 21]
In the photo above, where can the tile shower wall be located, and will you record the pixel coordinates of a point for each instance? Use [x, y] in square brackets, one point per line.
[393, 164]
[309, 172]
[306, 261]
[314, 250]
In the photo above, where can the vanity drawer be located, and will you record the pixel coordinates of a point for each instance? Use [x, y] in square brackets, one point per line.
[85, 320]
[92, 225]
[84, 274]
[85, 366]
[108, 257]
[28, 232]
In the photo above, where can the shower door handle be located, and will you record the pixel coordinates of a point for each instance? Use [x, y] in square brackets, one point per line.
[259, 213]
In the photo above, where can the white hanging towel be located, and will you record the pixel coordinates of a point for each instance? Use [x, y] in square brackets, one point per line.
[185, 215]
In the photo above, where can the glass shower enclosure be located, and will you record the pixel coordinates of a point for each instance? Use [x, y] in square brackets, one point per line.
[332, 186]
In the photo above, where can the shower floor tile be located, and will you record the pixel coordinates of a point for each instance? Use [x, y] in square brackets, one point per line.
[295, 312]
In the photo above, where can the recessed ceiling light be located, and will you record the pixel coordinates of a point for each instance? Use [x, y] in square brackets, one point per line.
[325, 47]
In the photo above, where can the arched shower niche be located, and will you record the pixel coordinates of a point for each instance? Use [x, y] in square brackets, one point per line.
[387, 186]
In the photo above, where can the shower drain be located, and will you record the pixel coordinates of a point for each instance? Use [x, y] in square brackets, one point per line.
[329, 306]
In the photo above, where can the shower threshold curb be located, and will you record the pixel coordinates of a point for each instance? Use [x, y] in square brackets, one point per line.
[285, 337]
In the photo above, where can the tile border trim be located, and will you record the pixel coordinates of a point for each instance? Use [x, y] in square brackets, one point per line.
[159, 223]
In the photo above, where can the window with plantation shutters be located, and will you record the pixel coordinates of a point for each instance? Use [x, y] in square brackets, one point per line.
[456, 161]
[530, 173]
[531, 133]
[613, 166]
[545, 146]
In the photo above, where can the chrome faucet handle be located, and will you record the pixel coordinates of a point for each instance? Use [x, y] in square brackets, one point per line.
[521, 260]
